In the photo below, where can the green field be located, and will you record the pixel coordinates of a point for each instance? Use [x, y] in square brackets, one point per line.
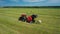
[9, 23]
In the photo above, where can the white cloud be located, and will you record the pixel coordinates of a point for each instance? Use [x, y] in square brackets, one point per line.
[48, 1]
[53, 1]
[33, 0]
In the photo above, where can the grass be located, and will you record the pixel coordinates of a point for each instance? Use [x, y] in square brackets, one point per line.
[9, 23]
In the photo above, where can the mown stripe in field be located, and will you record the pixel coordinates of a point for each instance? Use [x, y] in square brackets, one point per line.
[9, 29]
[18, 15]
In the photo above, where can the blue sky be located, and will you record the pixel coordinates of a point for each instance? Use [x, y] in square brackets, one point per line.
[29, 2]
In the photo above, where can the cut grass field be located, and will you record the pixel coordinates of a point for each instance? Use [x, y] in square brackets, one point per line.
[9, 23]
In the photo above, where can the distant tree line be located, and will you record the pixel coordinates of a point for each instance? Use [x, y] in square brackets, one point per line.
[31, 7]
